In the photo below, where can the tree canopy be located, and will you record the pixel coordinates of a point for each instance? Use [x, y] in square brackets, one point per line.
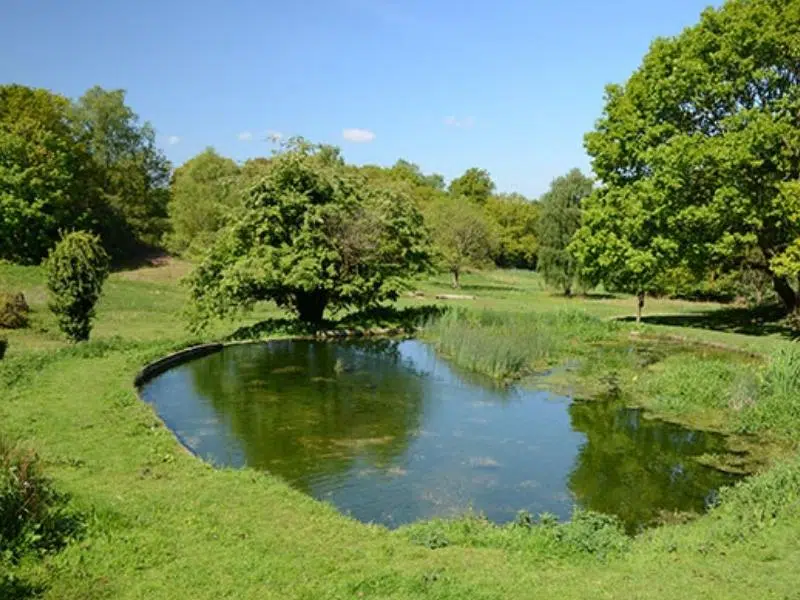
[462, 236]
[311, 235]
[203, 189]
[133, 174]
[45, 173]
[475, 185]
[86, 165]
[515, 220]
[698, 154]
[559, 219]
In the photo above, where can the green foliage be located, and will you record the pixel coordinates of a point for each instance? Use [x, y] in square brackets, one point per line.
[311, 236]
[696, 152]
[45, 173]
[76, 270]
[587, 534]
[559, 219]
[771, 401]
[13, 310]
[515, 220]
[87, 165]
[407, 178]
[461, 234]
[203, 190]
[508, 345]
[132, 173]
[475, 185]
[34, 517]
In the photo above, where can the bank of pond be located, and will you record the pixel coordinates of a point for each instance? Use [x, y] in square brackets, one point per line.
[392, 431]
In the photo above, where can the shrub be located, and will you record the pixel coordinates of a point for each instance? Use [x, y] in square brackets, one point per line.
[13, 311]
[76, 270]
[34, 517]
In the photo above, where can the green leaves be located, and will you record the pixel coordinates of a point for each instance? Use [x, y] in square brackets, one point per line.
[559, 219]
[475, 185]
[76, 270]
[695, 151]
[311, 234]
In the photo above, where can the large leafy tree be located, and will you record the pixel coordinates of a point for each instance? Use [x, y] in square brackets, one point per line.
[515, 219]
[45, 173]
[204, 189]
[475, 185]
[559, 219]
[133, 172]
[699, 153]
[311, 235]
[462, 236]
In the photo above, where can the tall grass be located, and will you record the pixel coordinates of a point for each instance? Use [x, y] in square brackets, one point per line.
[507, 345]
[774, 400]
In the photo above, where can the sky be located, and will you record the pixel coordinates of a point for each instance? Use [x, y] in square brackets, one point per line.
[506, 85]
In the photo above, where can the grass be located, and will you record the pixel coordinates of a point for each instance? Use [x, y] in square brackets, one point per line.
[162, 524]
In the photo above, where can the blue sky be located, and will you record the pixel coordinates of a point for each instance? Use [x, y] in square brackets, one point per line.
[507, 85]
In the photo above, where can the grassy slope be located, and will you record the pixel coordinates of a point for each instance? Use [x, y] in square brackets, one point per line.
[164, 525]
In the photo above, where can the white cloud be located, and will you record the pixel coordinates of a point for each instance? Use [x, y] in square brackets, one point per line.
[173, 139]
[245, 136]
[464, 123]
[358, 135]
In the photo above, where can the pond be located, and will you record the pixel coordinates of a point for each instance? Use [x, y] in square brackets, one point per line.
[390, 433]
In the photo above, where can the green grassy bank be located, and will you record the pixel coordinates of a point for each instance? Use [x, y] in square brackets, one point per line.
[162, 524]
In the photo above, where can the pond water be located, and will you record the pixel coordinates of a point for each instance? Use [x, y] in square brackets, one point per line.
[389, 432]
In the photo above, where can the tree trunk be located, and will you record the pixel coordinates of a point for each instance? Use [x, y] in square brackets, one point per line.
[786, 293]
[311, 305]
[639, 307]
[456, 283]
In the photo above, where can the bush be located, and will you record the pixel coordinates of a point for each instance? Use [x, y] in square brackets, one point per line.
[76, 270]
[34, 517]
[13, 311]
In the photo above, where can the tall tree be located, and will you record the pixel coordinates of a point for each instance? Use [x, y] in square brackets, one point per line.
[516, 220]
[203, 190]
[699, 152]
[475, 185]
[310, 236]
[134, 174]
[45, 173]
[462, 236]
[559, 219]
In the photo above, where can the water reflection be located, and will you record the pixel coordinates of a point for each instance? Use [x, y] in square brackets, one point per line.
[389, 432]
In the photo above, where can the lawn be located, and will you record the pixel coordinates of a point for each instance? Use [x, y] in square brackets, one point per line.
[162, 524]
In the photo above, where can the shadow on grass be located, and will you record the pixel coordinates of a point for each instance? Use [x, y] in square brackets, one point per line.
[484, 287]
[764, 320]
[378, 318]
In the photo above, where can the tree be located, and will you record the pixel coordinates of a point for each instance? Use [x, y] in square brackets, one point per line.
[559, 219]
[515, 220]
[45, 173]
[475, 185]
[203, 190]
[462, 236]
[702, 144]
[311, 235]
[133, 174]
[617, 243]
[76, 270]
